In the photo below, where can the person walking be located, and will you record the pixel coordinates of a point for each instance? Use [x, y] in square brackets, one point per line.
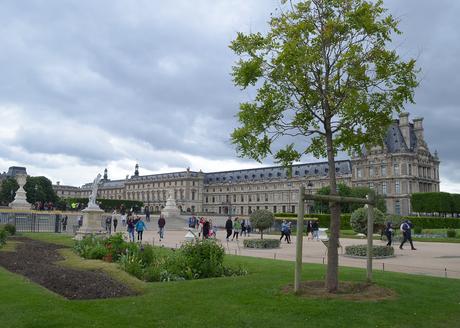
[140, 227]
[130, 224]
[236, 228]
[389, 232]
[229, 227]
[248, 227]
[115, 221]
[123, 215]
[288, 232]
[315, 228]
[64, 223]
[161, 226]
[108, 224]
[147, 214]
[284, 228]
[206, 229]
[406, 227]
[243, 228]
[309, 230]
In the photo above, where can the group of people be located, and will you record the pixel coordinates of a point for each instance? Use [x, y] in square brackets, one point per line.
[237, 227]
[406, 229]
[206, 229]
[312, 230]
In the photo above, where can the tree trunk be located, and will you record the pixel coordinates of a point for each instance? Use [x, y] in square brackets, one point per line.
[332, 275]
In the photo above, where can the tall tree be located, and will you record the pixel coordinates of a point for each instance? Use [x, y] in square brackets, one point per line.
[8, 190]
[324, 72]
[40, 189]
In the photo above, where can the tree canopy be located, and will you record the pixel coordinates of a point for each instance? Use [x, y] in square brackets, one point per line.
[325, 77]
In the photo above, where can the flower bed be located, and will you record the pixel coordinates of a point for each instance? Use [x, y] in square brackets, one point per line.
[377, 251]
[194, 260]
[261, 243]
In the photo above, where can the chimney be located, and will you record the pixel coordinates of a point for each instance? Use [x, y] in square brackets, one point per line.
[404, 127]
[418, 129]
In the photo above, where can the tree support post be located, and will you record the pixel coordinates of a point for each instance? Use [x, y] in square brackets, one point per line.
[370, 233]
[299, 239]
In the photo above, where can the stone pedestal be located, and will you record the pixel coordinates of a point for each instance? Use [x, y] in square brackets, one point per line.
[20, 200]
[170, 210]
[92, 223]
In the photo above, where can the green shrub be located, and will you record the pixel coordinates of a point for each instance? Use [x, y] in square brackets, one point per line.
[377, 251]
[261, 243]
[418, 230]
[85, 246]
[10, 228]
[3, 236]
[204, 258]
[358, 220]
[116, 245]
[97, 252]
[132, 264]
[451, 233]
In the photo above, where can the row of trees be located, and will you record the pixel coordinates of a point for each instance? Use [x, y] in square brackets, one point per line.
[346, 191]
[38, 189]
[436, 202]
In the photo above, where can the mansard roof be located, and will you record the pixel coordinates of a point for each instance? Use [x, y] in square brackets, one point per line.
[277, 172]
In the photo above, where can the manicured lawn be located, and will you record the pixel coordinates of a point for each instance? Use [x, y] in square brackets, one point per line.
[254, 300]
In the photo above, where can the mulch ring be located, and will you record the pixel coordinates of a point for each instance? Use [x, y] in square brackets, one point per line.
[348, 290]
[36, 260]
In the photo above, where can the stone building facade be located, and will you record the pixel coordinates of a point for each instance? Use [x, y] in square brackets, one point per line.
[401, 166]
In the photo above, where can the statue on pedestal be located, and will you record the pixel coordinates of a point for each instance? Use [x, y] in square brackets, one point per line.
[92, 197]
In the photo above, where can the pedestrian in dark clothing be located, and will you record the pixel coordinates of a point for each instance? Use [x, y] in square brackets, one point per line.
[161, 226]
[130, 224]
[284, 229]
[147, 214]
[389, 232]
[229, 227]
[243, 227]
[108, 224]
[406, 227]
[115, 223]
[309, 230]
[206, 229]
[64, 223]
[315, 228]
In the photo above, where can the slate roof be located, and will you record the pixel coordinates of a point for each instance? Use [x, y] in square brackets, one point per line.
[277, 172]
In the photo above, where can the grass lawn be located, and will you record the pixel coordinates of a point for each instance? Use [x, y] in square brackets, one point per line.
[254, 300]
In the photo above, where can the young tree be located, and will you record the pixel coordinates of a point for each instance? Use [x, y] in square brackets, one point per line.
[322, 72]
[262, 219]
[8, 190]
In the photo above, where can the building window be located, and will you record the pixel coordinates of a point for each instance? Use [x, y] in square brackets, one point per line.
[371, 171]
[383, 171]
[293, 209]
[384, 188]
[396, 169]
[409, 169]
[193, 195]
[397, 207]
[249, 198]
[284, 208]
[213, 199]
[397, 187]
[359, 172]
[249, 210]
[274, 209]
[266, 197]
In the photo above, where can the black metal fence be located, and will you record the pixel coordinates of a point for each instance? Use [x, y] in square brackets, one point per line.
[43, 222]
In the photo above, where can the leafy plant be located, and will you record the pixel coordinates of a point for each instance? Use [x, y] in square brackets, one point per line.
[261, 243]
[204, 258]
[451, 233]
[10, 228]
[262, 219]
[361, 250]
[358, 220]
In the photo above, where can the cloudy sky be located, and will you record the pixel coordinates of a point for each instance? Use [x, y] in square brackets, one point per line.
[86, 85]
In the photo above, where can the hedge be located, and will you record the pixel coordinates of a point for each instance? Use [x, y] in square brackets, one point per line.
[435, 202]
[433, 222]
[324, 219]
[261, 243]
[109, 204]
[377, 251]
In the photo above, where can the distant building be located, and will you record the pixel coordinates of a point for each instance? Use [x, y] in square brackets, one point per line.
[12, 172]
[402, 165]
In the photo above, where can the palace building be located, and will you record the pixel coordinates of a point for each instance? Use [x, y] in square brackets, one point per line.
[402, 165]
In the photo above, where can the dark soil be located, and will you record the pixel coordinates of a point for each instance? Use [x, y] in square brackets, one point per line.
[36, 261]
[348, 290]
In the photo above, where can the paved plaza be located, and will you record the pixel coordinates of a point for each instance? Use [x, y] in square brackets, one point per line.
[433, 259]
